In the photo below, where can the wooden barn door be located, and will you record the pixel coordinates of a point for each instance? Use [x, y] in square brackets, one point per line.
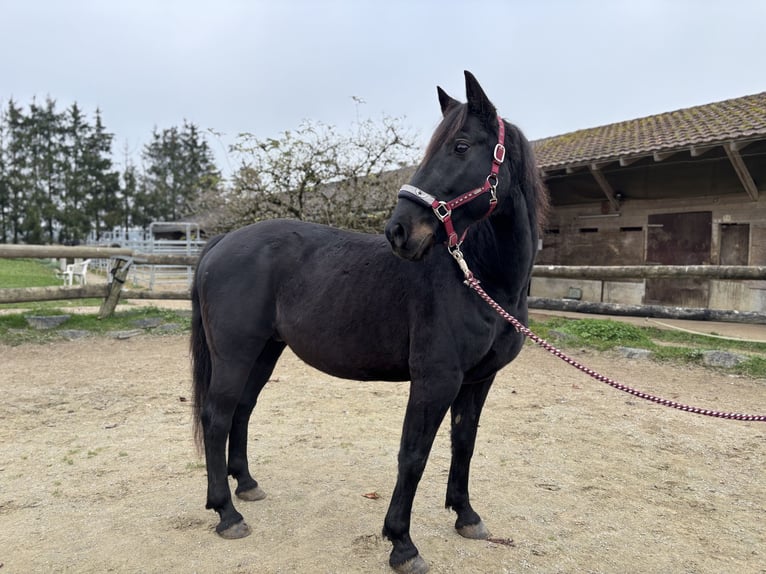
[735, 243]
[678, 239]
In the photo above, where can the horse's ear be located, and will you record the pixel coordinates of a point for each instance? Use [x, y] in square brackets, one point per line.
[478, 102]
[445, 101]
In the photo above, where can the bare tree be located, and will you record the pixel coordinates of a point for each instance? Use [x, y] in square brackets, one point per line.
[317, 174]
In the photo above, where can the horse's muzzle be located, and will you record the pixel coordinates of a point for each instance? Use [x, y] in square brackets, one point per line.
[411, 244]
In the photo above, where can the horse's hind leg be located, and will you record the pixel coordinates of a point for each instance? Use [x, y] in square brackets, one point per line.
[227, 384]
[465, 412]
[247, 486]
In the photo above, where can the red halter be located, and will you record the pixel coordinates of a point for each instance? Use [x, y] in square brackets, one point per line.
[443, 209]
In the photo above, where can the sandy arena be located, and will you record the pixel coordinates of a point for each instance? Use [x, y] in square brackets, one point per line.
[98, 472]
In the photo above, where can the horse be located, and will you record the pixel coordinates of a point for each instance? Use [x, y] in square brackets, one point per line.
[389, 307]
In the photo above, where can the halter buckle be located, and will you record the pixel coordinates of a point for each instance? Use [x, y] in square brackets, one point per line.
[499, 153]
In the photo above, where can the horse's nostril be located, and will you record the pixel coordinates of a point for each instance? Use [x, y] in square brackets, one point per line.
[396, 235]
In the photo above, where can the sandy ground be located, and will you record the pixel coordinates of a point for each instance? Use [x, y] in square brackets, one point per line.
[98, 472]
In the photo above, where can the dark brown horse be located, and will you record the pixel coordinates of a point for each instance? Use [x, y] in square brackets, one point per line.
[348, 305]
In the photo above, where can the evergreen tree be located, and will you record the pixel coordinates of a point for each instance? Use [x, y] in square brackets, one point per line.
[102, 200]
[179, 169]
[44, 129]
[75, 224]
[17, 150]
[129, 194]
[4, 188]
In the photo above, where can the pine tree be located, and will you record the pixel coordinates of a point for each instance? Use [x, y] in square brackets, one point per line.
[16, 175]
[102, 200]
[4, 187]
[179, 170]
[44, 128]
[75, 223]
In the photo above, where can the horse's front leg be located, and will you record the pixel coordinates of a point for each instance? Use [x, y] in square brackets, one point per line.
[426, 408]
[465, 412]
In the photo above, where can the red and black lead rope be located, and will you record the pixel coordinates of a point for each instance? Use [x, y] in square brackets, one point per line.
[473, 283]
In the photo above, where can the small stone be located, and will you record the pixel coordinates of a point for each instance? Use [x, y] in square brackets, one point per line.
[147, 323]
[722, 359]
[125, 334]
[73, 334]
[633, 353]
[46, 322]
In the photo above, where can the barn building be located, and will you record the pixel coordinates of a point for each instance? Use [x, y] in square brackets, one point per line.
[679, 188]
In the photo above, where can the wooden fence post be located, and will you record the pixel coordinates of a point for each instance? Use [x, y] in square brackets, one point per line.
[119, 275]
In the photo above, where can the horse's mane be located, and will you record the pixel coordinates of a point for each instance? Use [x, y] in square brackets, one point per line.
[519, 153]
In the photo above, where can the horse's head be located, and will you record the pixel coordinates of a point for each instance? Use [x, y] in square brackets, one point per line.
[458, 180]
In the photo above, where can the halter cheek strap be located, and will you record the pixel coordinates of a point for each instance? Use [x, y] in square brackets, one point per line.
[443, 209]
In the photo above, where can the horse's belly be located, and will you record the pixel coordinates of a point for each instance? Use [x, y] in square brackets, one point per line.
[347, 363]
[355, 352]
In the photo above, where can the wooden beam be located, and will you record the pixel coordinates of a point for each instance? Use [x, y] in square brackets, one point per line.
[663, 155]
[31, 294]
[658, 311]
[626, 161]
[84, 251]
[605, 272]
[739, 146]
[697, 151]
[732, 150]
[119, 276]
[605, 186]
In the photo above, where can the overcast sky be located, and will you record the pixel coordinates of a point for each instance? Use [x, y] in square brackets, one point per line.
[550, 66]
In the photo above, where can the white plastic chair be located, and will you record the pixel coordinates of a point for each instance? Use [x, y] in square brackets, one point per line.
[77, 270]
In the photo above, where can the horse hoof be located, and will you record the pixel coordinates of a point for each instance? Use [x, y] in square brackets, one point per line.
[256, 493]
[238, 530]
[474, 531]
[415, 565]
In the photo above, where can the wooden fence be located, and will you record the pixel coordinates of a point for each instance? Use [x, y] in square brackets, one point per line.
[128, 256]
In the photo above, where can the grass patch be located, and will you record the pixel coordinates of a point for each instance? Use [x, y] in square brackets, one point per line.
[14, 329]
[28, 273]
[666, 345]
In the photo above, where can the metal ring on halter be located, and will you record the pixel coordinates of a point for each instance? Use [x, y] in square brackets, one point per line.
[442, 215]
[492, 180]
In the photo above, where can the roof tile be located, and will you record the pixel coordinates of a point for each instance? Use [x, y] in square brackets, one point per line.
[718, 122]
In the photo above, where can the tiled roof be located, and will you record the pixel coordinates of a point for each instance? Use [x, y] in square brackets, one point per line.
[719, 122]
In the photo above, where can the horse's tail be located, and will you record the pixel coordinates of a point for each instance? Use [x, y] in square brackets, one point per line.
[200, 352]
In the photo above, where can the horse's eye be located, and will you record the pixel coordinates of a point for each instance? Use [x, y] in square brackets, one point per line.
[461, 147]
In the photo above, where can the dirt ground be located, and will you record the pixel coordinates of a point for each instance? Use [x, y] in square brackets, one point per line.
[98, 472]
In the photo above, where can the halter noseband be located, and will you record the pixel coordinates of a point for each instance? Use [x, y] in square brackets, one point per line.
[443, 209]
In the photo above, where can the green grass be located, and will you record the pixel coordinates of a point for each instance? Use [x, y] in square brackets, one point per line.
[665, 345]
[28, 273]
[14, 329]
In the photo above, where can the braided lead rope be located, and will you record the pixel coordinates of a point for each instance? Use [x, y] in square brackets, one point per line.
[473, 283]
